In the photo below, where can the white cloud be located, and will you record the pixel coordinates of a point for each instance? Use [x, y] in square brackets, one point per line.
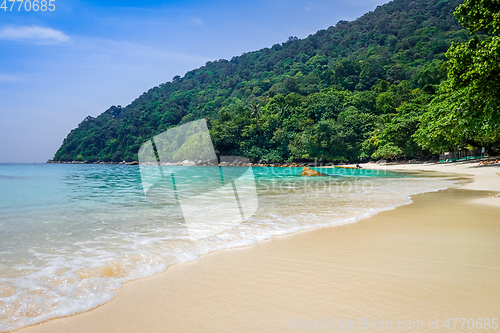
[100, 57]
[196, 21]
[123, 51]
[33, 33]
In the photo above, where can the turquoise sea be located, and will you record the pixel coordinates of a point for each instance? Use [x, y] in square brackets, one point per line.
[70, 235]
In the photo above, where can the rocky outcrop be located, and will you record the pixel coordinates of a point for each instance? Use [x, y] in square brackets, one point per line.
[312, 173]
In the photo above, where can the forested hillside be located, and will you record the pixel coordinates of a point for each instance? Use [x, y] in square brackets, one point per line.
[352, 92]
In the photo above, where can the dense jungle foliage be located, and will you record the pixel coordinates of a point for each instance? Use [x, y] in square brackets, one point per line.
[466, 111]
[355, 91]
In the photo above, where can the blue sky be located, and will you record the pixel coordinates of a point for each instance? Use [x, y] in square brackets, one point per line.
[57, 67]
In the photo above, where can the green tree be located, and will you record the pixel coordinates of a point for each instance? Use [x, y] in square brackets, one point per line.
[385, 102]
[456, 120]
[480, 15]
[322, 141]
[395, 138]
[467, 110]
[431, 73]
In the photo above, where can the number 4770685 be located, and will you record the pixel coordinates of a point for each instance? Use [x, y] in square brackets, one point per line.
[35, 5]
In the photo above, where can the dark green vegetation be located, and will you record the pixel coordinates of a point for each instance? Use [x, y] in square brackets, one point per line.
[466, 112]
[352, 92]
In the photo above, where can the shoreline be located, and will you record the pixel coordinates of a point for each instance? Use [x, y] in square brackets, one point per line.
[485, 178]
[293, 164]
[131, 291]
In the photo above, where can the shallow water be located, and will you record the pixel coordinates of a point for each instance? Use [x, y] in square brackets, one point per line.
[72, 234]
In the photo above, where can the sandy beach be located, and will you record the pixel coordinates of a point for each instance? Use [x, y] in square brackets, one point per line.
[414, 266]
[486, 177]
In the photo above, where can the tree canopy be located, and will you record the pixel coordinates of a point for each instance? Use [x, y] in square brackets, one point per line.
[341, 94]
[466, 112]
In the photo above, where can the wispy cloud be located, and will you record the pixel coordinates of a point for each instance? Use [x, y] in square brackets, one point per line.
[196, 21]
[9, 78]
[33, 33]
[121, 49]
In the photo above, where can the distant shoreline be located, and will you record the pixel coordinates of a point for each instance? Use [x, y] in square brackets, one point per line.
[86, 162]
[292, 165]
[366, 165]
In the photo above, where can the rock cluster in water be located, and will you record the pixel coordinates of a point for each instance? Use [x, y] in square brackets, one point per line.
[312, 173]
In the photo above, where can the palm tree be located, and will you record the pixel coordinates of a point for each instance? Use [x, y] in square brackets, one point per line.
[282, 109]
[255, 110]
[380, 124]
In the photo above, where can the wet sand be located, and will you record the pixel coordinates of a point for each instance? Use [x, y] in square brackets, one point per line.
[437, 258]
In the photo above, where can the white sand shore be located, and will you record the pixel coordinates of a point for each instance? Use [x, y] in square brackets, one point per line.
[485, 178]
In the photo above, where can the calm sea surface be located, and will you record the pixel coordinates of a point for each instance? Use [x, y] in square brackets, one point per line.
[70, 235]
